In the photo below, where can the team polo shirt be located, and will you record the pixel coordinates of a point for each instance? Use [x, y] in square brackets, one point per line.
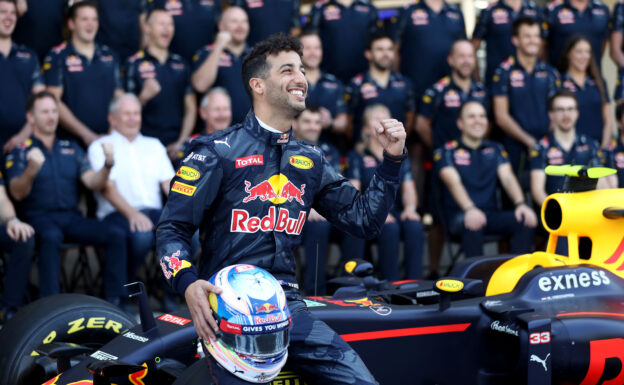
[88, 85]
[163, 114]
[195, 23]
[364, 91]
[585, 151]
[617, 19]
[267, 17]
[494, 27]
[331, 154]
[527, 93]
[477, 169]
[228, 77]
[119, 26]
[41, 28]
[344, 33]
[590, 121]
[564, 21]
[19, 73]
[426, 38]
[614, 158]
[328, 92]
[441, 104]
[140, 167]
[362, 167]
[56, 185]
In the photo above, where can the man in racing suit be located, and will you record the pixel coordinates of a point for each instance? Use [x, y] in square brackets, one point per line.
[249, 189]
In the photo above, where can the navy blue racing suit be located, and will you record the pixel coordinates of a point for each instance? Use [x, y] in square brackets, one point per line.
[249, 191]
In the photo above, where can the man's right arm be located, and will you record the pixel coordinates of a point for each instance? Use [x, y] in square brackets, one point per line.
[508, 124]
[205, 75]
[20, 185]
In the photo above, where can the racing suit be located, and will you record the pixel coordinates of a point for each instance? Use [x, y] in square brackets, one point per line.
[249, 191]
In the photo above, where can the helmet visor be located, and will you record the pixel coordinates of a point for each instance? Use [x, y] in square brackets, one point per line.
[259, 345]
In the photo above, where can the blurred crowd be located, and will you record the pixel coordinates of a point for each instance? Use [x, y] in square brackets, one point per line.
[100, 100]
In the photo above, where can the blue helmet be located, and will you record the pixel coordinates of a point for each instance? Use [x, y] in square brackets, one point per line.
[254, 321]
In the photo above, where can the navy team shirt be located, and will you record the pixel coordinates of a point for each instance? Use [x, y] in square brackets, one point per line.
[119, 26]
[344, 33]
[426, 38]
[41, 28]
[364, 91]
[163, 114]
[19, 73]
[195, 23]
[55, 187]
[590, 120]
[564, 21]
[88, 85]
[328, 92]
[494, 27]
[441, 104]
[585, 151]
[477, 169]
[527, 93]
[228, 77]
[615, 159]
[267, 17]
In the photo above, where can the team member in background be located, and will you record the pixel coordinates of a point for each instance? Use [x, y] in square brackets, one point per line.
[494, 26]
[580, 74]
[120, 26]
[403, 222]
[161, 80]
[43, 175]
[40, 24]
[470, 169]
[255, 189]
[77, 67]
[424, 32]
[521, 87]
[220, 64]
[267, 17]
[344, 27]
[615, 152]
[19, 76]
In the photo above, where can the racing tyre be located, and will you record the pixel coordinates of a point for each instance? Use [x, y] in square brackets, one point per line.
[76, 318]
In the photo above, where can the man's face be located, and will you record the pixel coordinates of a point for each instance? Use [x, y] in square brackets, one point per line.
[473, 121]
[160, 29]
[381, 54]
[312, 51]
[564, 114]
[462, 60]
[44, 116]
[286, 86]
[235, 21]
[308, 126]
[218, 112]
[85, 25]
[528, 40]
[8, 18]
[127, 119]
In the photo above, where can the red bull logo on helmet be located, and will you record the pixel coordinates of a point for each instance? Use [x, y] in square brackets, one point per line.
[242, 222]
[277, 189]
[266, 308]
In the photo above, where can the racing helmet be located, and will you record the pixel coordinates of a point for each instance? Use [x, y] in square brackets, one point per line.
[254, 321]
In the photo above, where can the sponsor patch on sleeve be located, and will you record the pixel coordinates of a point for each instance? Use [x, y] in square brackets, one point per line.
[188, 173]
[183, 188]
[301, 162]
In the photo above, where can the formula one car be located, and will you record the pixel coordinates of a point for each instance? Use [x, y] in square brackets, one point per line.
[536, 319]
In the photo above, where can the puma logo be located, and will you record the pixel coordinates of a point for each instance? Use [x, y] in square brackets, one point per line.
[543, 362]
[223, 142]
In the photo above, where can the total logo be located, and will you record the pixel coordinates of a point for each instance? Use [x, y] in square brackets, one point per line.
[573, 281]
[277, 189]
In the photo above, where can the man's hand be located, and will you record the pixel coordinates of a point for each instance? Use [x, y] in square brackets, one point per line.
[109, 152]
[196, 296]
[35, 159]
[524, 214]
[410, 215]
[223, 39]
[22, 7]
[392, 135]
[390, 218]
[151, 88]
[314, 216]
[173, 149]
[474, 219]
[140, 222]
[17, 230]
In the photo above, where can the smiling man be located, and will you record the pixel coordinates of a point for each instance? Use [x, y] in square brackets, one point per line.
[252, 190]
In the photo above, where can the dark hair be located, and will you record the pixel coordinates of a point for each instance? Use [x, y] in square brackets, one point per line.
[562, 93]
[309, 32]
[152, 11]
[470, 101]
[255, 63]
[32, 99]
[619, 111]
[377, 36]
[592, 70]
[73, 10]
[310, 107]
[519, 22]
